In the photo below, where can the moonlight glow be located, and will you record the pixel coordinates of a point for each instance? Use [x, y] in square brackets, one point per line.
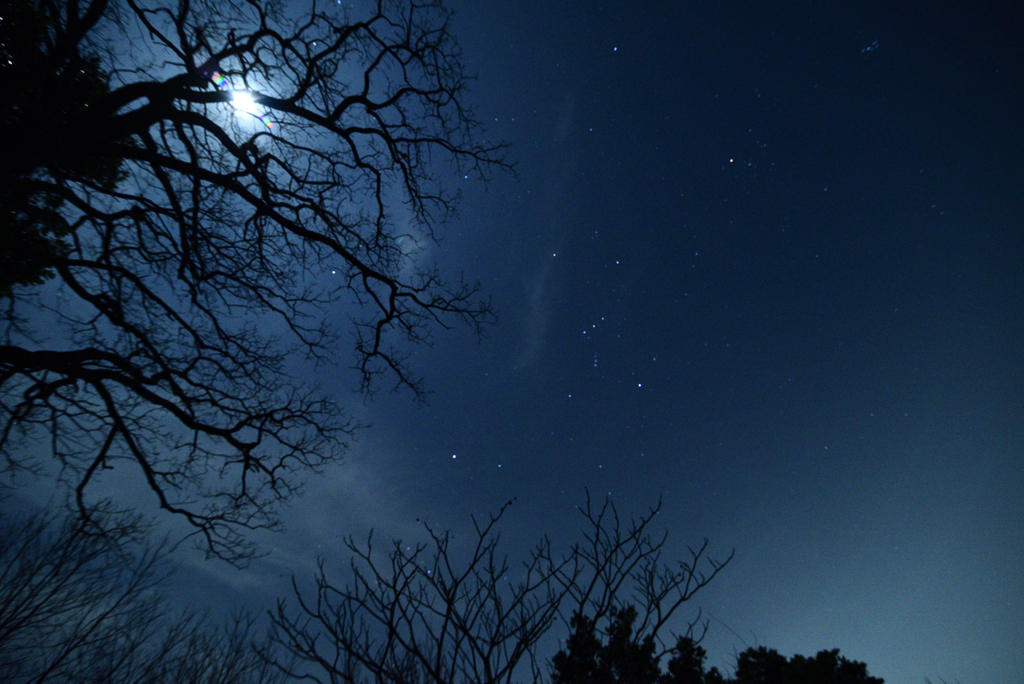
[243, 101]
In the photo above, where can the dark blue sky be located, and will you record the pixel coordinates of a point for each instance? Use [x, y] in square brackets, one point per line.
[764, 261]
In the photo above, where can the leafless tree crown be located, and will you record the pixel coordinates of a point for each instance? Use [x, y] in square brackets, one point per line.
[76, 606]
[439, 613]
[234, 237]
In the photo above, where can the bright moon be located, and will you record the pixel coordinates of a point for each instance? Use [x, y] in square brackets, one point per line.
[243, 101]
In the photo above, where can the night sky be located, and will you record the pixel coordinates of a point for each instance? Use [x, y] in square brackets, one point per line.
[764, 261]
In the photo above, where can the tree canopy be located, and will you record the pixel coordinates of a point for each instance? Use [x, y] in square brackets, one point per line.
[625, 656]
[202, 194]
[46, 93]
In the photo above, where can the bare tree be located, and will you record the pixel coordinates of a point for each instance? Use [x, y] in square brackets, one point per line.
[235, 176]
[81, 606]
[442, 614]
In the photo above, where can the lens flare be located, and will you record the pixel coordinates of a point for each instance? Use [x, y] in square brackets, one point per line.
[240, 99]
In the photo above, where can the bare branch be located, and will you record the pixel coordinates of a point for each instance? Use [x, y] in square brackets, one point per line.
[438, 612]
[82, 603]
[197, 248]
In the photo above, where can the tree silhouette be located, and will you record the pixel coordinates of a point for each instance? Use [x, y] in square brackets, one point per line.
[760, 666]
[627, 657]
[767, 666]
[439, 612]
[45, 93]
[686, 665]
[621, 660]
[76, 606]
[224, 181]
